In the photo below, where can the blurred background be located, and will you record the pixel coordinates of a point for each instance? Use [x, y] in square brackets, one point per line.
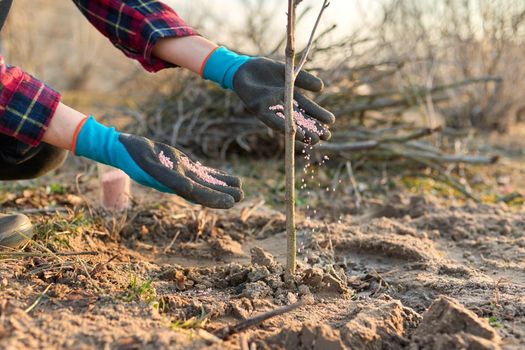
[418, 86]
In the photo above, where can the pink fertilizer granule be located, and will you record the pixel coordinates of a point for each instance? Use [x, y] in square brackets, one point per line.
[299, 116]
[166, 161]
[202, 171]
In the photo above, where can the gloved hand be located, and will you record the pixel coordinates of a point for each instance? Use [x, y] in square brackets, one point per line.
[259, 82]
[157, 165]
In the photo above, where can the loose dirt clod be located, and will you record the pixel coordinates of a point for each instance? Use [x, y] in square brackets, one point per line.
[313, 337]
[226, 246]
[256, 290]
[258, 273]
[313, 277]
[261, 257]
[449, 325]
[333, 284]
[384, 324]
[304, 290]
[241, 308]
[319, 280]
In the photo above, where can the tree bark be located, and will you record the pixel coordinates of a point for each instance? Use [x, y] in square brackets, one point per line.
[290, 132]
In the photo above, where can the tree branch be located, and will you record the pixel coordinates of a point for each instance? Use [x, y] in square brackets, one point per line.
[306, 52]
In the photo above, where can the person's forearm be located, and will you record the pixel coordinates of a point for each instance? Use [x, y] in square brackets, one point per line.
[62, 128]
[189, 52]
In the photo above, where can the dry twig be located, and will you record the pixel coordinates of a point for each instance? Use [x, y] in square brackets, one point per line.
[39, 254]
[228, 331]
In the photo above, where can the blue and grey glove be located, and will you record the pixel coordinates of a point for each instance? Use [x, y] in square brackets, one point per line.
[259, 82]
[157, 165]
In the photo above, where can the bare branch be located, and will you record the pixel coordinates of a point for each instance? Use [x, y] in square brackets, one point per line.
[347, 147]
[300, 66]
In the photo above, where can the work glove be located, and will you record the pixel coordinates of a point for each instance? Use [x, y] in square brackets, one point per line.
[157, 165]
[259, 82]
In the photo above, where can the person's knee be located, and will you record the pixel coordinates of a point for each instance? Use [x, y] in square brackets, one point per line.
[47, 159]
[55, 157]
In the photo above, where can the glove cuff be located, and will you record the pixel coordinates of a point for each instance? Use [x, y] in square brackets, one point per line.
[75, 136]
[222, 65]
[97, 141]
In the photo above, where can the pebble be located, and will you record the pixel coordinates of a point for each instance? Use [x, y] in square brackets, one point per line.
[291, 298]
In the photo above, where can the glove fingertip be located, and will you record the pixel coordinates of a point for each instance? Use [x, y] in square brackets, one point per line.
[327, 135]
[330, 118]
[309, 82]
[236, 193]
[233, 181]
[226, 203]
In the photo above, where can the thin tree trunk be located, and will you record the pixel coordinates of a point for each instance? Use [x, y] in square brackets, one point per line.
[290, 143]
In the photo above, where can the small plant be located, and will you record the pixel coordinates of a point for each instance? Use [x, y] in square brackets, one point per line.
[56, 231]
[56, 188]
[192, 323]
[494, 322]
[138, 290]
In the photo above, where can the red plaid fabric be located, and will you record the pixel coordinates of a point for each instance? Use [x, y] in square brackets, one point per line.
[134, 26]
[26, 105]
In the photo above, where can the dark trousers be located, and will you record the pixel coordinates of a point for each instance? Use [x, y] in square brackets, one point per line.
[5, 5]
[19, 161]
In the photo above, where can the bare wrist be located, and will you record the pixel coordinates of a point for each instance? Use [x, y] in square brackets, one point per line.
[188, 52]
[61, 129]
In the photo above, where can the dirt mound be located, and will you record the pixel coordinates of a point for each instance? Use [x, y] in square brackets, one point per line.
[388, 325]
[380, 324]
[397, 247]
[263, 278]
[383, 325]
[311, 337]
[449, 325]
[468, 222]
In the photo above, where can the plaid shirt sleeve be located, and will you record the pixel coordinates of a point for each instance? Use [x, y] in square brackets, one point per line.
[26, 105]
[134, 26]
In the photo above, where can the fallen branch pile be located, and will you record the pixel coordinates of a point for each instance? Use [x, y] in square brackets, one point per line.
[212, 123]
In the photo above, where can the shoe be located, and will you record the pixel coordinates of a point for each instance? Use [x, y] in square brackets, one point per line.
[15, 230]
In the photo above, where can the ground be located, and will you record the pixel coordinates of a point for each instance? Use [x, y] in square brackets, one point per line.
[418, 268]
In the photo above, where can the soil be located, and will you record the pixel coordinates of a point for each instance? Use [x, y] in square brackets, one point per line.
[414, 273]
